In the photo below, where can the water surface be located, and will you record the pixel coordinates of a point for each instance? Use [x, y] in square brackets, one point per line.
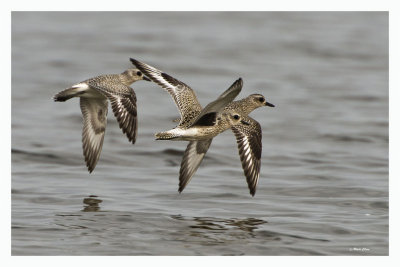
[323, 188]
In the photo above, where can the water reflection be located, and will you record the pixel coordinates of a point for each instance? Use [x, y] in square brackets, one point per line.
[92, 203]
[212, 231]
[209, 231]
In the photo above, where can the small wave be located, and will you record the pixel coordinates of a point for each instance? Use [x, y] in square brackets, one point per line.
[173, 152]
[18, 154]
[362, 98]
[271, 234]
[28, 153]
[346, 138]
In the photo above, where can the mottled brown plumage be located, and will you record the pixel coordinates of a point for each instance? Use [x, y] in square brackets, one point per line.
[199, 126]
[94, 94]
[248, 129]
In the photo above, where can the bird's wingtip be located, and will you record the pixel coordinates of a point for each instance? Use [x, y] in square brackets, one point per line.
[134, 61]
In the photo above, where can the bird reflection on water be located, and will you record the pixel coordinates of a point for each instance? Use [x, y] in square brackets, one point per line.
[212, 231]
[209, 231]
[92, 203]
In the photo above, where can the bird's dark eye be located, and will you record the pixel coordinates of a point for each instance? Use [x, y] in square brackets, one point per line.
[138, 73]
[236, 117]
[261, 99]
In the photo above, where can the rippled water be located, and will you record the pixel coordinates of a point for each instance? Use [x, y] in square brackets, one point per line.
[323, 188]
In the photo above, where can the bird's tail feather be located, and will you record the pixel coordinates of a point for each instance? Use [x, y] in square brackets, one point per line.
[165, 136]
[66, 94]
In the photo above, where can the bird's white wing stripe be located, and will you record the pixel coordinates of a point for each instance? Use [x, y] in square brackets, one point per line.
[248, 138]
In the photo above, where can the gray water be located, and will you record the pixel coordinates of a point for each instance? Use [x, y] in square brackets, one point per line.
[323, 187]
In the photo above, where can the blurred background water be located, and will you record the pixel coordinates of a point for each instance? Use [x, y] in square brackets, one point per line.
[323, 187]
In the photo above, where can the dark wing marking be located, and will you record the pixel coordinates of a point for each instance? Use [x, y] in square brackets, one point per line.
[183, 96]
[248, 137]
[222, 101]
[208, 119]
[193, 156]
[125, 111]
[94, 113]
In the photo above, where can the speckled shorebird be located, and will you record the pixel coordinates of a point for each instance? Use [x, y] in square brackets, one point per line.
[93, 94]
[195, 120]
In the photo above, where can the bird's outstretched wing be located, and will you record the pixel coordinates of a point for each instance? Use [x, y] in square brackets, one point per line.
[183, 96]
[123, 104]
[217, 105]
[192, 158]
[94, 113]
[248, 136]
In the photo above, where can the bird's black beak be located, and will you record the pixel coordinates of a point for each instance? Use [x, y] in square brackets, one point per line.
[269, 104]
[146, 79]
